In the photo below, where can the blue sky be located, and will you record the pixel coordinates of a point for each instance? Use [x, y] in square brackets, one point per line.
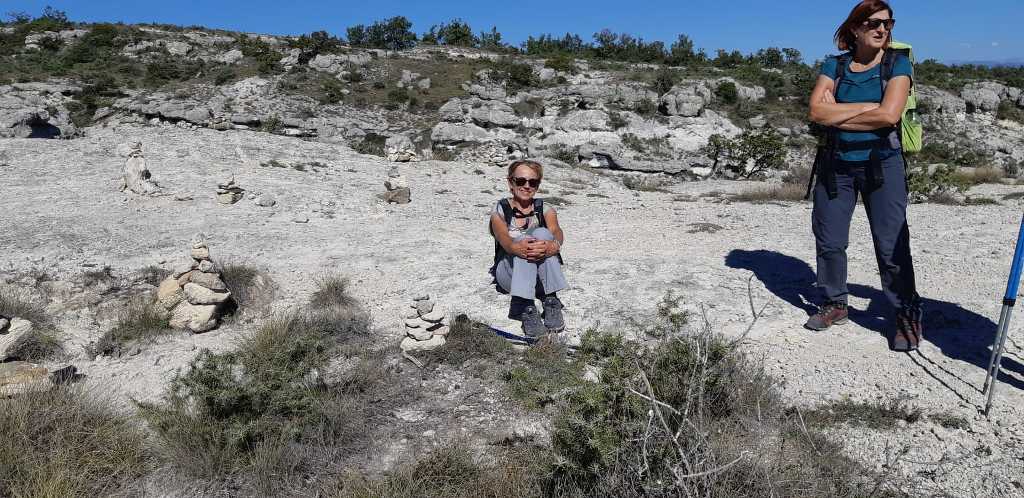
[987, 30]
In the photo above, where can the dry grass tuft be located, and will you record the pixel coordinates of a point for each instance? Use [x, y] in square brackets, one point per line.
[875, 415]
[251, 288]
[43, 341]
[67, 443]
[470, 345]
[452, 471]
[776, 193]
[141, 321]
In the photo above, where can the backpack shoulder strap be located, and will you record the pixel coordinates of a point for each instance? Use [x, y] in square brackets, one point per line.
[842, 60]
[506, 210]
[538, 209]
[888, 62]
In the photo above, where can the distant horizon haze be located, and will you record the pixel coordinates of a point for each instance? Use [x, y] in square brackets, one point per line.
[938, 29]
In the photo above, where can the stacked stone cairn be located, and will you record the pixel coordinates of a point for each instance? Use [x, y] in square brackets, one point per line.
[137, 177]
[228, 192]
[397, 188]
[194, 295]
[425, 327]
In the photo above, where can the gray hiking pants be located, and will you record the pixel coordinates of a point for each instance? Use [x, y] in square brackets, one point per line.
[527, 279]
[886, 207]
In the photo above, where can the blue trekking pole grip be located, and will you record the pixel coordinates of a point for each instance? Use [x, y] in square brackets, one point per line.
[1013, 284]
[1009, 300]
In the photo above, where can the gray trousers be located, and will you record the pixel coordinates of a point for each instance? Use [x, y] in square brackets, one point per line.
[526, 279]
[886, 207]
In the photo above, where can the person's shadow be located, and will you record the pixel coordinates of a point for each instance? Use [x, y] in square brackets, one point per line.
[961, 334]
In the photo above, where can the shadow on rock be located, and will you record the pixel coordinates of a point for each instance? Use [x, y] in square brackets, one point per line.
[961, 334]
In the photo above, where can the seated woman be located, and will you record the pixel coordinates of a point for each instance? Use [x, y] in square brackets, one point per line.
[528, 240]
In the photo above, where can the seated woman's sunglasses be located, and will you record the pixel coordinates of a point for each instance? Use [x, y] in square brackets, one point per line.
[520, 181]
[875, 23]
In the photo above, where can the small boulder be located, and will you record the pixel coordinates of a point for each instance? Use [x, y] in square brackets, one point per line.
[169, 294]
[18, 329]
[409, 344]
[197, 318]
[20, 377]
[424, 307]
[197, 294]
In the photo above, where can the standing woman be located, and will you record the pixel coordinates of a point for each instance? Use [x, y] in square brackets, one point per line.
[860, 96]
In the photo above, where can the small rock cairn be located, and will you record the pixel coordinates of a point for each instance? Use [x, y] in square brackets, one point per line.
[397, 186]
[137, 177]
[228, 192]
[425, 327]
[194, 295]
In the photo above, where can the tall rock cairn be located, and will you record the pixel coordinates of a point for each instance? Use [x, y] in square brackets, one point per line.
[194, 295]
[425, 327]
[137, 177]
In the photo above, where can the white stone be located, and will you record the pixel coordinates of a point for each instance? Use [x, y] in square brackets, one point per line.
[18, 328]
[442, 330]
[416, 323]
[169, 294]
[424, 307]
[433, 316]
[197, 294]
[197, 318]
[409, 344]
[419, 334]
[209, 280]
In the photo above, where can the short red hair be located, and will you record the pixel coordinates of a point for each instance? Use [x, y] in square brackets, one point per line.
[845, 38]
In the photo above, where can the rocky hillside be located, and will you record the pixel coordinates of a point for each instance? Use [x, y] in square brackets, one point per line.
[445, 102]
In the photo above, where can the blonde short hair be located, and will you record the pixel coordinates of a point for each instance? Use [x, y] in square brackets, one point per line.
[534, 165]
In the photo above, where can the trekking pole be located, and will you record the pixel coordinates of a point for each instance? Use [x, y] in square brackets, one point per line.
[1009, 299]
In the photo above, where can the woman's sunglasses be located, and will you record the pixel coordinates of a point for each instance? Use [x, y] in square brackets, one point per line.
[875, 23]
[520, 181]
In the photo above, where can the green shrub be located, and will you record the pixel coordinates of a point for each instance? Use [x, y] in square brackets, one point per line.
[749, 154]
[273, 124]
[664, 80]
[942, 181]
[66, 442]
[727, 93]
[564, 153]
[371, 144]
[1009, 111]
[331, 91]
[562, 62]
[265, 413]
[398, 95]
[515, 75]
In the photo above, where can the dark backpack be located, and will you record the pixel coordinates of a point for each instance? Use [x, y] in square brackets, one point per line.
[902, 131]
[506, 209]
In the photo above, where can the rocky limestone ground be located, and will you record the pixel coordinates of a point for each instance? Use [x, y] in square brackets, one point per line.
[64, 214]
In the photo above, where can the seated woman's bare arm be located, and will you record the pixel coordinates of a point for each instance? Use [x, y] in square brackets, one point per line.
[551, 220]
[886, 115]
[825, 110]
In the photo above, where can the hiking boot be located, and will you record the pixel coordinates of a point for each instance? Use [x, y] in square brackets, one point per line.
[830, 314]
[553, 319]
[908, 333]
[532, 324]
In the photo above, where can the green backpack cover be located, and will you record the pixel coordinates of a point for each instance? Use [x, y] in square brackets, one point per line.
[911, 130]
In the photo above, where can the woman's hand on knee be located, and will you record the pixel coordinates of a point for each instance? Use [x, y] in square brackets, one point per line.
[522, 248]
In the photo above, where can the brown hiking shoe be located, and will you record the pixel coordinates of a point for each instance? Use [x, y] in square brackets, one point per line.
[830, 314]
[908, 333]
